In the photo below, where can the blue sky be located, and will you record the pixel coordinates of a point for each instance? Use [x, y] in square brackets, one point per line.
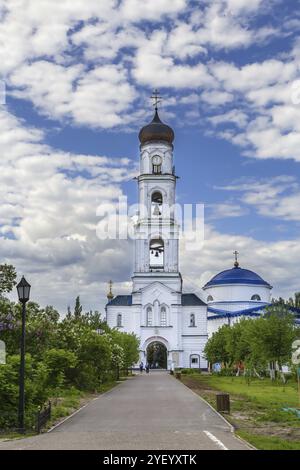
[78, 77]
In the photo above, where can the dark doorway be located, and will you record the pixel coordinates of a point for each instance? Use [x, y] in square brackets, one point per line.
[157, 355]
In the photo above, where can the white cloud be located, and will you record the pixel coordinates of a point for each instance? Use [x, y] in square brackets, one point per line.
[48, 213]
[277, 262]
[277, 197]
[216, 98]
[224, 210]
[62, 92]
[83, 61]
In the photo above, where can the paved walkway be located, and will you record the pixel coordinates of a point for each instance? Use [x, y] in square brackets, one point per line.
[152, 411]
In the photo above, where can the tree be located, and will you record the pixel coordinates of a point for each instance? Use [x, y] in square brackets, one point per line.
[78, 308]
[277, 333]
[8, 277]
[59, 363]
[294, 302]
[130, 343]
[215, 348]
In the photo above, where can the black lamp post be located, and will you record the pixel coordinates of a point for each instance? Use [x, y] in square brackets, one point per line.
[23, 289]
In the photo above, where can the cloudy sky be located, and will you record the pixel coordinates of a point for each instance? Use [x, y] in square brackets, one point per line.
[78, 77]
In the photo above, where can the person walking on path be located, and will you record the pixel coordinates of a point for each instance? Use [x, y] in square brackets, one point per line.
[147, 368]
[141, 367]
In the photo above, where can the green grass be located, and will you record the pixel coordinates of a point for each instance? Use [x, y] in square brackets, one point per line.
[263, 391]
[256, 409]
[269, 443]
[72, 399]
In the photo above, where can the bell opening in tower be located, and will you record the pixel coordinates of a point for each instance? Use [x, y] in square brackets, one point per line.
[156, 204]
[156, 249]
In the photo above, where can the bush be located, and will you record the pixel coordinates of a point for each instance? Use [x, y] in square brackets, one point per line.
[190, 371]
[36, 391]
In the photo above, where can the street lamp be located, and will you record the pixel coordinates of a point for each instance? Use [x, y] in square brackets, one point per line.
[23, 289]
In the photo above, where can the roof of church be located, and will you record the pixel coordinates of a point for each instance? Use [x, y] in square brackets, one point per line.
[220, 313]
[191, 299]
[156, 130]
[237, 275]
[251, 312]
[126, 300]
[123, 300]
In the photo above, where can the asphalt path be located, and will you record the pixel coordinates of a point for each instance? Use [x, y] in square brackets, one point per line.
[153, 411]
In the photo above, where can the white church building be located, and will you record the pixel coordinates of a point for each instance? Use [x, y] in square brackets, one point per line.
[157, 310]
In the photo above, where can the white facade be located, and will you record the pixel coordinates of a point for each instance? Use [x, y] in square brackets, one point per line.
[157, 310]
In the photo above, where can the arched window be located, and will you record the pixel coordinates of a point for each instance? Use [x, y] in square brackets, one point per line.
[163, 316]
[156, 204]
[156, 253]
[149, 318]
[119, 319]
[156, 164]
[255, 297]
[192, 319]
[210, 298]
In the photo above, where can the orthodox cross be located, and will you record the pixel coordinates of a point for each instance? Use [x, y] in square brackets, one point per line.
[156, 98]
[236, 263]
[110, 295]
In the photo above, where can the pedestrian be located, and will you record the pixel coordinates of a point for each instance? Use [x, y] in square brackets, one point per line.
[141, 367]
[147, 368]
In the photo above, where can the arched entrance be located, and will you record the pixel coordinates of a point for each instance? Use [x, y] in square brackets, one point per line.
[157, 355]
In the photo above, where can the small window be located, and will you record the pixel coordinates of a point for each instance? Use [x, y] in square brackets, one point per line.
[192, 319]
[149, 316]
[156, 164]
[163, 317]
[210, 298]
[255, 297]
[119, 319]
[194, 360]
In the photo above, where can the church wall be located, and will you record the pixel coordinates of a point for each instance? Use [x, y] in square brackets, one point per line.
[200, 320]
[237, 292]
[163, 149]
[130, 318]
[214, 324]
[172, 282]
[193, 346]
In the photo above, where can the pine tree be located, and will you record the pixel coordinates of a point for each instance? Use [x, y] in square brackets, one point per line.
[78, 308]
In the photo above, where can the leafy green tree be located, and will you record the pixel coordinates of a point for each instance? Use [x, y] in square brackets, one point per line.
[36, 391]
[8, 277]
[294, 301]
[130, 343]
[94, 360]
[59, 363]
[78, 308]
[277, 334]
[215, 349]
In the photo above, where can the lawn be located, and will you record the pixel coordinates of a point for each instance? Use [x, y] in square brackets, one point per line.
[256, 409]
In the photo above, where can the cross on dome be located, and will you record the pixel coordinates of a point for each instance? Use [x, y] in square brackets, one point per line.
[156, 97]
[236, 263]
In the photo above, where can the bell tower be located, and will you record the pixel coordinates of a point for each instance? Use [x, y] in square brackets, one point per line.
[156, 230]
